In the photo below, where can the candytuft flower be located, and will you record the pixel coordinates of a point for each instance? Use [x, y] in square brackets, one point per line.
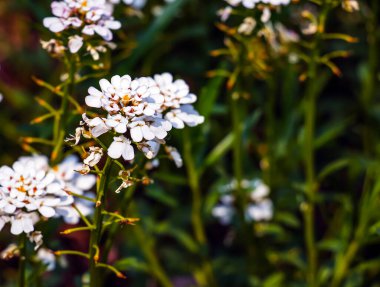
[138, 112]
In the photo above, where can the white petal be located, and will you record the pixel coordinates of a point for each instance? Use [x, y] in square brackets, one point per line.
[115, 150]
[136, 134]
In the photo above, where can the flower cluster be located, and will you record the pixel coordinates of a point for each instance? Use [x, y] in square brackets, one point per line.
[81, 19]
[250, 4]
[31, 190]
[137, 112]
[260, 207]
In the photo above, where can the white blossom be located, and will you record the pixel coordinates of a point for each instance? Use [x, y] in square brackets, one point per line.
[90, 16]
[31, 189]
[47, 257]
[121, 147]
[94, 157]
[75, 43]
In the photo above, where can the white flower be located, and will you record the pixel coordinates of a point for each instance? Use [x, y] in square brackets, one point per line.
[36, 238]
[186, 114]
[47, 257]
[53, 46]
[225, 13]
[265, 17]
[175, 93]
[31, 190]
[22, 222]
[95, 156]
[224, 213]
[72, 181]
[260, 190]
[174, 155]
[260, 211]
[75, 43]
[149, 148]
[10, 251]
[121, 147]
[247, 26]
[350, 5]
[91, 16]
[97, 126]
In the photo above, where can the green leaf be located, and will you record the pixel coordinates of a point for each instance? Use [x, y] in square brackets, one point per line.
[209, 94]
[332, 167]
[287, 218]
[131, 263]
[274, 280]
[331, 132]
[147, 41]
[162, 196]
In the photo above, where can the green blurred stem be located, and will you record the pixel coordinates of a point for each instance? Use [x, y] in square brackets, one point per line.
[61, 117]
[270, 129]
[311, 185]
[22, 261]
[125, 202]
[98, 222]
[310, 105]
[147, 247]
[369, 82]
[205, 273]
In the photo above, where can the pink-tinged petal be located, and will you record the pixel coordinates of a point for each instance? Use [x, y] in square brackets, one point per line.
[136, 134]
[75, 43]
[104, 32]
[115, 150]
[88, 30]
[54, 24]
[113, 25]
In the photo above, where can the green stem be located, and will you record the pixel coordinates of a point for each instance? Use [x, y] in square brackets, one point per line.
[61, 116]
[311, 94]
[270, 129]
[125, 202]
[147, 247]
[22, 262]
[98, 223]
[204, 274]
[369, 83]
[311, 185]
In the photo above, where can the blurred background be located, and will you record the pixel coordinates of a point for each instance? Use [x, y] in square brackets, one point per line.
[179, 37]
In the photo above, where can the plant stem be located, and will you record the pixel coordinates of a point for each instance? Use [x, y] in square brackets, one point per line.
[61, 116]
[205, 273]
[369, 83]
[22, 262]
[311, 186]
[147, 247]
[98, 222]
[270, 129]
[310, 105]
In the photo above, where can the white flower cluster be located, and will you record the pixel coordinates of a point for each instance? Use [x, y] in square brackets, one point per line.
[82, 19]
[250, 4]
[31, 190]
[249, 23]
[260, 207]
[136, 4]
[139, 112]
